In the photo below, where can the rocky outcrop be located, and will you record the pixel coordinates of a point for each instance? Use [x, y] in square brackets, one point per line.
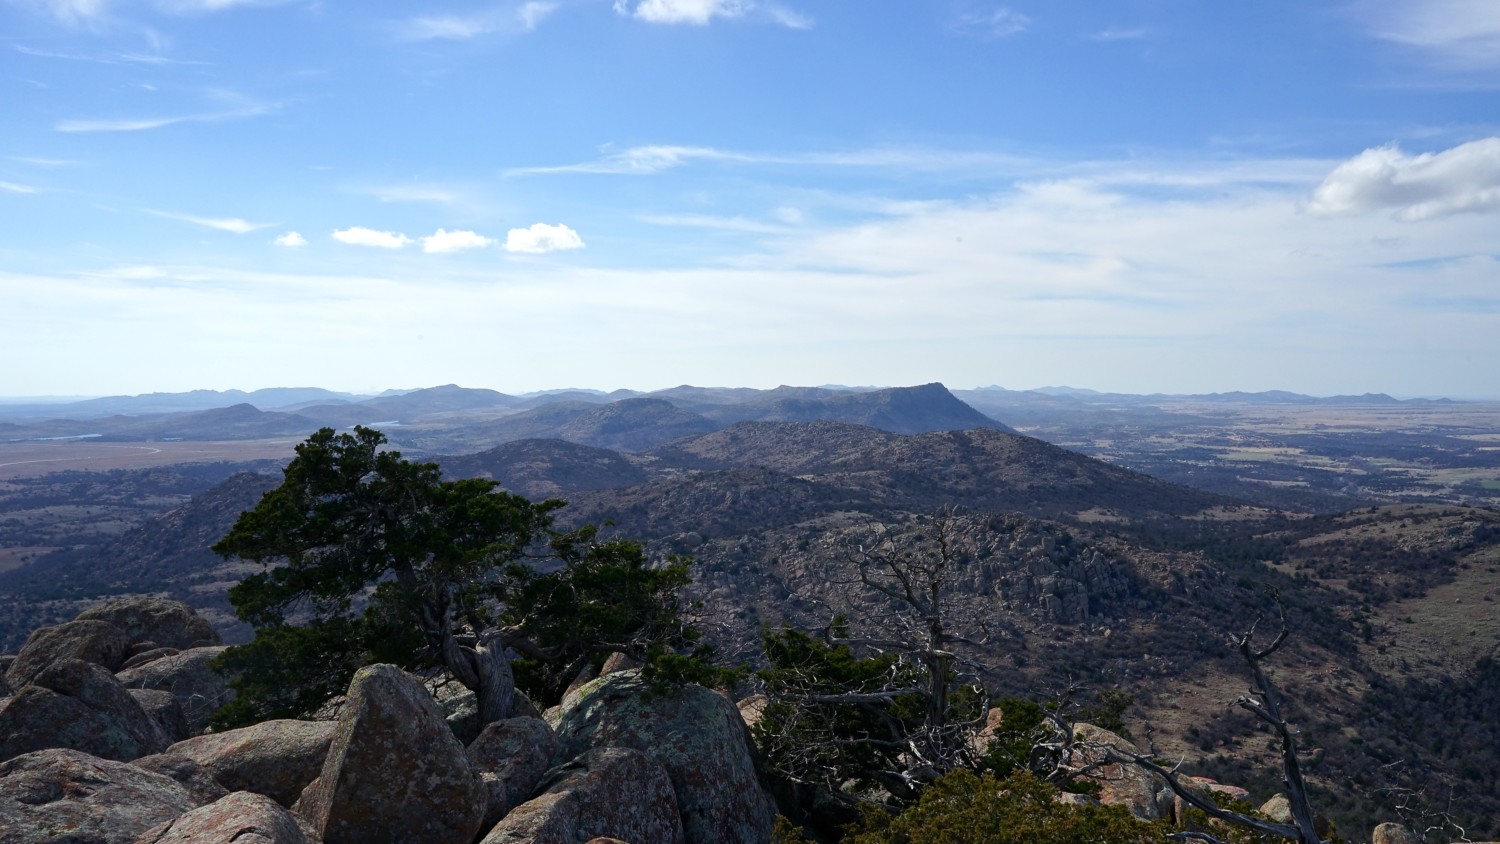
[81, 706]
[394, 772]
[275, 758]
[613, 791]
[164, 710]
[167, 623]
[142, 657]
[1394, 833]
[89, 640]
[198, 780]
[238, 818]
[1119, 784]
[67, 796]
[511, 757]
[694, 733]
[190, 678]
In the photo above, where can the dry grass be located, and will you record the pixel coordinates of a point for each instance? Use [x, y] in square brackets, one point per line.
[33, 459]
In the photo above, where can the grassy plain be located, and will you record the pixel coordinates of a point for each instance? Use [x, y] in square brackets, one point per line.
[34, 459]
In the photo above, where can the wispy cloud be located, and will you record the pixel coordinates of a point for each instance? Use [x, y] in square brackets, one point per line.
[141, 124]
[540, 238]
[789, 18]
[506, 19]
[13, 187]
[45, 162]
[234, 225]
[291, 240]
[1118, 33]
[1462, 34]
[999, 22]
[653, 159]
[107, 58]
[75, 12]
[1465, 178]
[694, 12]
[361, 236]
[69, 11]
[643, 160]
[413, 193]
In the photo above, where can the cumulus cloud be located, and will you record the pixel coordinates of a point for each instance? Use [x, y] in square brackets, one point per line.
[540, 238]
[446, 241]
[1465, 178]
[695, 12]
[233, 225]
[291, 240]
[361, 236]
[997, 23]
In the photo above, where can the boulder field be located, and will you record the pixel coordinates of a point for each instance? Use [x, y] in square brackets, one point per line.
[103, 740]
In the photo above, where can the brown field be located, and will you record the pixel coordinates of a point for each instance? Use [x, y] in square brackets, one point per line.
[33, 459]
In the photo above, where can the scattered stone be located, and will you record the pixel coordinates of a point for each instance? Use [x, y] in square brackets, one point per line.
[1120, 784]
[164, 710]
[148, 655]
[198, 780]
[190, 678]
[168, 623]
[66, 796]
[238, 818]
[394, 772]
[275, 758]
[1394, 833]
[696, 734]
[511, 757]
[1278, 809]
[81, 706]
[612, 791]
[617, 662]
[751, 708]
[90, 640]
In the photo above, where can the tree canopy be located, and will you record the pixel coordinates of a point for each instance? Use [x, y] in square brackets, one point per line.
[370, 556]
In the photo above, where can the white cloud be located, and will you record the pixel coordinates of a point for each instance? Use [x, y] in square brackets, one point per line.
[998, 23]
[1463, 33]
[233, 225]
[523, 18]
[137, 124]
[361, 236]
[70, 11]
[531, 14]
[643, 160]
[789, 18]
[1465, 178]
[446, 241]
[1117, 33]
[695, 12]
[413, 193]
[291, 240]
[540, 238]
[12, 187]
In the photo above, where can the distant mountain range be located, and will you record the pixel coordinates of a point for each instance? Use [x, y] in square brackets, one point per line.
[452, 419]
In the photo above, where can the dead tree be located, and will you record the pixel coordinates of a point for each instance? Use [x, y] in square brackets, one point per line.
[1264, 702]
[875, 689]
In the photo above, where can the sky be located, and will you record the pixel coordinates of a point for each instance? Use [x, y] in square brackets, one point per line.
[1134, 195]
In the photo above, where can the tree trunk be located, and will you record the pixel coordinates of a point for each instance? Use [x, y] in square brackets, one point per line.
[485, 670]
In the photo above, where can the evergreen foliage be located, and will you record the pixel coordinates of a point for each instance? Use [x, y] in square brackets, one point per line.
[370, 557]
[968, 808]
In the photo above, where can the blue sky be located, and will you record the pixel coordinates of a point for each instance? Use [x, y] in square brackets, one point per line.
[1135, 195]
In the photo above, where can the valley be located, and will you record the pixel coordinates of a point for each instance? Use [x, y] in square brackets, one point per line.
[1119, 541]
